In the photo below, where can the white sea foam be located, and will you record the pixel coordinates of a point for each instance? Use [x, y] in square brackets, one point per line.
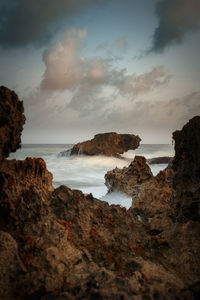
[87, 172]
[118, 199]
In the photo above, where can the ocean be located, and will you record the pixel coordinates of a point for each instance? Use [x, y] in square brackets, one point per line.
[86, 173]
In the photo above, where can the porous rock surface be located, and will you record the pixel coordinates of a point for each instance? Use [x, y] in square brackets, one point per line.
[168, 204]
[109, 144]
[12, 120]
[129, 179]
[63, 244]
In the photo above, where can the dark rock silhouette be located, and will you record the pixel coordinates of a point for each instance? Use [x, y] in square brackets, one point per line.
[63, 244]
[186, 165]
[160, 160]
[109, 144]
[12, 120]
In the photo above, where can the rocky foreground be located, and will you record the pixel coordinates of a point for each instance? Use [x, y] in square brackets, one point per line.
[109, 144]
[62, 244]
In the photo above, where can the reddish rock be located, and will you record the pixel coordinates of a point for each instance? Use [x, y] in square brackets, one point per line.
[129, 179]
[109, 144]
[12, 120]
[18, 182]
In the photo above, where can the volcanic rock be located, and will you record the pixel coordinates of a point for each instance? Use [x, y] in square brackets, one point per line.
[186, 164]
[63, 244]
[12, 120]
[109, 144]
[129, 179]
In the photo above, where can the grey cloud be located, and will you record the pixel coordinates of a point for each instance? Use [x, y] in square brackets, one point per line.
[167, 115]
[64, 66]
[67, 69]
[94, 83]
[87, 101]
[134, 85]
[176, 19]
[24, 22]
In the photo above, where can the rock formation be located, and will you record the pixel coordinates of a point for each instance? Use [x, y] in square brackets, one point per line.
[186, 165]
[129, 179]
[12, 120]
[109, 144]
[63, 244]
[168, 204]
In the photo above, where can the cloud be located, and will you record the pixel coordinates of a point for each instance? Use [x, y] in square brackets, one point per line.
[93, 82]
[134, 85]
[78, 91]
[176, 19]
[25, 22]
[154, 120]
[64, 66]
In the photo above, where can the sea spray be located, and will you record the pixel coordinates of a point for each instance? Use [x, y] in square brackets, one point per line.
[86, 173]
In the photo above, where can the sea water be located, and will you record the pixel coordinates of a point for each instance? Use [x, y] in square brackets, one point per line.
[86, 173]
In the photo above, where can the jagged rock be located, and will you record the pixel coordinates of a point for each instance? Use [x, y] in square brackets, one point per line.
[80, 247]
[151, 194]
[109, 144]
[129, 179]
[63, 244]
[12, 120]
[186, 164]
[152, 203]
[160, 160]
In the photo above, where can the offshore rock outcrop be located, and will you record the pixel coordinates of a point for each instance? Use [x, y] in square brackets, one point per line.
[160, 160]
[12, 120]
[109, 144]
[63, 244]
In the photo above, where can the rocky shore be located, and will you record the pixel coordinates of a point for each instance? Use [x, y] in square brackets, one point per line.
[61, 244]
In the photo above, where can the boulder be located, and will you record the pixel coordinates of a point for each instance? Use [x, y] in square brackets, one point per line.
[109, 144]
[12, 120]
[129, 179]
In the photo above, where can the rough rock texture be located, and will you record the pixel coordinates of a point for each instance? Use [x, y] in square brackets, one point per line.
[187, 170]
[18, 182]
[11, 122]
[109, 144]
[63, 244]
[129, 179]
[160, 160]
[151, 194]
[72, 245]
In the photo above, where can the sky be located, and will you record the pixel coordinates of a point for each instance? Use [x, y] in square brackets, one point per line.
[83, 67]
